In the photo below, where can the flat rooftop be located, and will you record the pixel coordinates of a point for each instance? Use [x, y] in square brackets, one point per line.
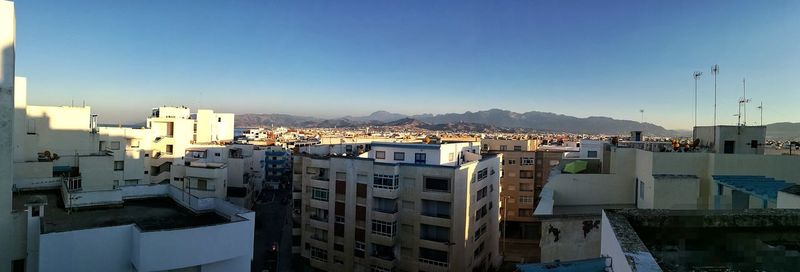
[148, 214]
[720, 240]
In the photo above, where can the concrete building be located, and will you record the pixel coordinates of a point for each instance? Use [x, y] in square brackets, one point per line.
[571, 204]
[78, 197]
[732, 139]
[520, 242]
[404, 207]
[277, 166]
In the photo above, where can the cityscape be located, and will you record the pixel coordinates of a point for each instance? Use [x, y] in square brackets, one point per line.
[345, 181]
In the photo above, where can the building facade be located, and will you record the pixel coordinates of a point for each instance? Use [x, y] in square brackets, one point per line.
[402, 207]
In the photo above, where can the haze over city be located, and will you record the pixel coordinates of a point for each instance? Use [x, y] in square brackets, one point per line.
[326, 59]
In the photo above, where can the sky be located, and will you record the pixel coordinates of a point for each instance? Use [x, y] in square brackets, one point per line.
[336, 58]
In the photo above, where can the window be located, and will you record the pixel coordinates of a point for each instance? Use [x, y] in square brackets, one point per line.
[216, 154]
[479, 250]
[114, 145]
[384, 205]
[486, 146]
[592, 154]
[480, 232]
[480, 213]
[119, 165]
[319, 214]
[319, 235]
[641, 189]
[481, 194]
[503, 147]
[482, 174]
[451, 156]
[525, 212]
[419, 158]
[435, 208]
[380, 155]
[526, 174]
[525, 199]
[399, 156]
[526, 161]
[169, 149]
[436, 184]
[434, 233]
[526, 187]
[385, 181]
[338, 247]
[202, 184]
[517, 148]
[319, 193]
[319, 254]
[339, 219]
[433, 257]
[131, 182]
[383, 228]
[512, 162]
[360, 249]
[31, 126]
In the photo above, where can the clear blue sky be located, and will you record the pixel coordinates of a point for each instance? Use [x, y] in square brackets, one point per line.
[336, 58]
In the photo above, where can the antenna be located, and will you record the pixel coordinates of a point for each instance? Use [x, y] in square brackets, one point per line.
[743, 103]
[696, 76]
[761, 110]
[642, 112]
[715, 72]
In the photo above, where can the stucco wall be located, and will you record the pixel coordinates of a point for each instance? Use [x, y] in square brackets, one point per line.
[570, 238]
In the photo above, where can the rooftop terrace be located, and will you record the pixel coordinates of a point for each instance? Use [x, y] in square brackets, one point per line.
[148, 214]
[724, 240]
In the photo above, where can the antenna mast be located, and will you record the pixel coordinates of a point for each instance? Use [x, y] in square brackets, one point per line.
[761, 111]
[696, 76]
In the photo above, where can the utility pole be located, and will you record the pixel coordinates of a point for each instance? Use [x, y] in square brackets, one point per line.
[696, 76]
[743, 104]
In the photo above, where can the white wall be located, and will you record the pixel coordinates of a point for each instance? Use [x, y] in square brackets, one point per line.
[788, 201]
[101, 249]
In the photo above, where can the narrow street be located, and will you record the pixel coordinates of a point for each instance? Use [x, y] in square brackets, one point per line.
[273, 227]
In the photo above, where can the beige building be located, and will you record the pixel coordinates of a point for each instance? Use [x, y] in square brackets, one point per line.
[403, 207]
[517, 197]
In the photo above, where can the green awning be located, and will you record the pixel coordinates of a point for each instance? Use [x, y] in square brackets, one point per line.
[575, 167]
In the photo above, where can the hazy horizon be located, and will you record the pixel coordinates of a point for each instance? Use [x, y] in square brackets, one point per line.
[329, 60]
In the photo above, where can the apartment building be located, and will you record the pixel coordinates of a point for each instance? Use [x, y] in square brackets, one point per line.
[78, 197]
[277, 164]
[518, 197]
[399, 207]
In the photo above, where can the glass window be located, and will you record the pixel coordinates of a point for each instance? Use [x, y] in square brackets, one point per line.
[380, 155]
[383, 228]
[319, 193]
[399, 156]
[435, 208]
[437, 184]
[434, 233]
[420, 158]
[385, 181]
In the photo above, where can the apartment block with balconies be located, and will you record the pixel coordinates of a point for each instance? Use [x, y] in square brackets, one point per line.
[416, 214]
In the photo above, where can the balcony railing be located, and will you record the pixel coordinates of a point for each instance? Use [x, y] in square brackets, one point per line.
[434, 262]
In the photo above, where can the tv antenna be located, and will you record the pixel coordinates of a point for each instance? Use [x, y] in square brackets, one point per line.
[696, 76]
[743, 103]
[761, 111]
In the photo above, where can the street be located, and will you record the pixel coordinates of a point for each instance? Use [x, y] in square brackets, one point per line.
[273, 227]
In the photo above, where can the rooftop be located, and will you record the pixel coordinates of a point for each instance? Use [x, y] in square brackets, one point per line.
[588, 265]
[149, 214]
[698, 240]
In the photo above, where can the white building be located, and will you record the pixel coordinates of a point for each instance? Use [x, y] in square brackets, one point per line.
[55, 162]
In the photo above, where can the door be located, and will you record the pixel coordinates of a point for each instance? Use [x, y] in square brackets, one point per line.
[729, 147]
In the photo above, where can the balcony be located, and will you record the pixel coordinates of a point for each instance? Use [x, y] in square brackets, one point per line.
[206, 172]
[387, 215]
[385, 192]
[428, 265]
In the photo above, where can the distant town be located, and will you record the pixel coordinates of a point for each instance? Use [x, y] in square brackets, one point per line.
[200, 190]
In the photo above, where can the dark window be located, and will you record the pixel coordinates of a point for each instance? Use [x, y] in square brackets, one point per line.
[592, 154]
[169, 149]
[380, 155]
[526, 174]
[119, 165]
[399, 156]
[517, 148]
[340, 187]
[361, 213]
[434, 233]
[729, 147]
[482, 174]
[435, 208]
[432, 254]
[437, 184]
[481, 194]
[419, 158]
[361, 190]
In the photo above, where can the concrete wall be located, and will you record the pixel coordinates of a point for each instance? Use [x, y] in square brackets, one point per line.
[570, 238]
[610, 247]
[102, 249]
[582, 189]
[7, 37]
[788, 201]
[677, 194]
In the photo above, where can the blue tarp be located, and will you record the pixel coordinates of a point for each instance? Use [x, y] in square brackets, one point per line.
[759, 186]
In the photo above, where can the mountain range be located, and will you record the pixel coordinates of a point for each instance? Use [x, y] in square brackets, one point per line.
[480, 121]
